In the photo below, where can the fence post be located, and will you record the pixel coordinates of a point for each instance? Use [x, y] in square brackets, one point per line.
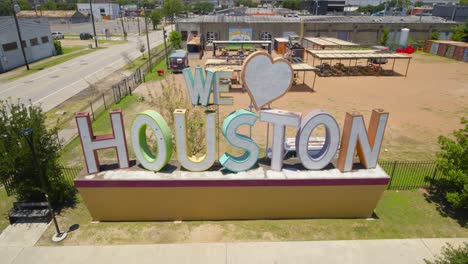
[92, 111]
[435, 172]
[104, 101]
[392, 174]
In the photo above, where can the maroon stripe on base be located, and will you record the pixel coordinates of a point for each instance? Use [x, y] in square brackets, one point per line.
[226, 183]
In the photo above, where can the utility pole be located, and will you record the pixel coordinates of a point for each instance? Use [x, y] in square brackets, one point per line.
[147, 40]
[15, 10]
[165, 47]
[92, 20]
[138, 17]
[316, 7]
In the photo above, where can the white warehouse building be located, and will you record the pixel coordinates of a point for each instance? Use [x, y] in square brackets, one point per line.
[101, 10]
[37, 41]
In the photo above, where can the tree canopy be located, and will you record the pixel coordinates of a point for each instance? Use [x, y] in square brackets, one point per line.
[172, 8]
[292, 4]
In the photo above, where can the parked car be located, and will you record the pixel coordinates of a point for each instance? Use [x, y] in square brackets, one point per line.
[178, 60]
[84, 36]
[58, 35]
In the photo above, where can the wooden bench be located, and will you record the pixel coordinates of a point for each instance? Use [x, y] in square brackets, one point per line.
[30, 212]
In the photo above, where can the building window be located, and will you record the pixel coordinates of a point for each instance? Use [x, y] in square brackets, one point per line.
[45, 39]
[195, 33]
[184, 35]
[210, 36]
[34, 42]
[265, 36]
[24, 43]
[102, 10]
[10, 46]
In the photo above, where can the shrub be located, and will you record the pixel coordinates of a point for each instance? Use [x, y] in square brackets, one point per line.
[435, 35]
[385, 36]
[58, 47]
[16, 161]
[175, 38]
[451, 255]
[452, 161]
[173, 97]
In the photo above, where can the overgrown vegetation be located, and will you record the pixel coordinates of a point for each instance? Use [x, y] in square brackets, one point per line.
[201, 7]
[16, 156]
[176, 39]
[385, 36]
[155, 17]
[58, 47]
[173, 97]
[246, 3]
[292, 4]
[460, 32]
[452, 160]
[451, 255]
[435, 35]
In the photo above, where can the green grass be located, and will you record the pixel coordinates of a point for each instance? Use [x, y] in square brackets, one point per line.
[51, 62]
[6, 203]
[153, 76]
[142, 59]
[404, 214]
[71, 49]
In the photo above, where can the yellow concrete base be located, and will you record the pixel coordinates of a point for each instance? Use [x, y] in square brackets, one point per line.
[218, 203]
[126, 195]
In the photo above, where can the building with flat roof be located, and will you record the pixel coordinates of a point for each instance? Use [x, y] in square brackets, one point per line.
[57, 16]
[101, 10]
[37, 41]
[358, 29]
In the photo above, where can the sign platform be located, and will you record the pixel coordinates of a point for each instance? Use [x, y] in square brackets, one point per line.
[173, 194]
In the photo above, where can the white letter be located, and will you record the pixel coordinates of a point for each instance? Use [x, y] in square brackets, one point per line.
[163, 134]
[332, 140]
[221, 86]
[199, 89]
[91, 144]
[280, 119]
[230, 126]
[193, 163]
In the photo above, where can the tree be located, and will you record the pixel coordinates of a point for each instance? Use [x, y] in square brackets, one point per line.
[16, 161]
[156, 17]
[202, 8]
[435, 35]
[452, 162]
[246, 3]
[385, 36]
[292, 4]
[175, 38]
[172, 8]
[460, 32]
[5, 8]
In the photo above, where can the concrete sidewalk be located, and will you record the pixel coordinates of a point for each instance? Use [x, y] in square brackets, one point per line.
[349, 251]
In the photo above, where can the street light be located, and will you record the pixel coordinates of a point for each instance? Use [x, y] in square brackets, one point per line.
[28, 135]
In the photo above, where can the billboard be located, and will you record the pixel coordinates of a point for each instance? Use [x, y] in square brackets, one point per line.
[239, 34]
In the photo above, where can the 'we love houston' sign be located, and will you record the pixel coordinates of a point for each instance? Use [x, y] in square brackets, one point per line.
[266, 79]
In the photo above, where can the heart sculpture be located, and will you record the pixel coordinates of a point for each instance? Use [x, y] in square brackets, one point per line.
[265, 78]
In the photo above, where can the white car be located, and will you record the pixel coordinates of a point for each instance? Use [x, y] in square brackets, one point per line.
[58, 35]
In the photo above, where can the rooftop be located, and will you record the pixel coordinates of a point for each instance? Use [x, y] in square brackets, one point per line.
[316, 19]
[48, 13]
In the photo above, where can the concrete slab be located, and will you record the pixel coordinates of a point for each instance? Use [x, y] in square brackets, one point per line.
[171, 253]
[8, 254]
[22, 234]
[434, 245]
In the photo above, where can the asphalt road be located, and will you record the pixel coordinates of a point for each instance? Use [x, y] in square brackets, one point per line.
[55, 85]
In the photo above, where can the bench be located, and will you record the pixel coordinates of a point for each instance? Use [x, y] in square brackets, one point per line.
[30, 212]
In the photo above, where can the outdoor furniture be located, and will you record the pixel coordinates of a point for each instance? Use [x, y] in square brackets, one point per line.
[30, 212]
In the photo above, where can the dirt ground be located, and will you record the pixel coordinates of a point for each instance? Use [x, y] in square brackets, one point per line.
[427, 103]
